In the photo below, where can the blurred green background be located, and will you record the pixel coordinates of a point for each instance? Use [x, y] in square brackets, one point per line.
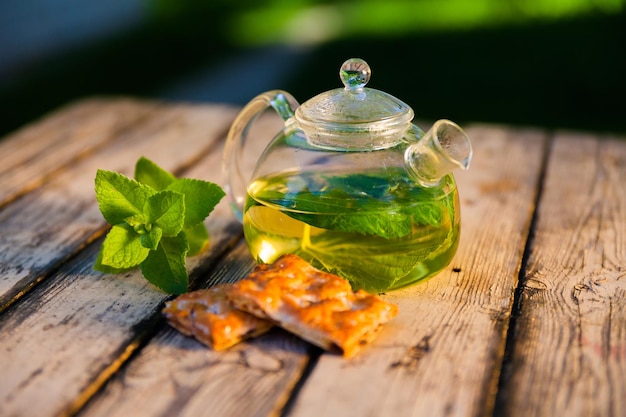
[550, 63]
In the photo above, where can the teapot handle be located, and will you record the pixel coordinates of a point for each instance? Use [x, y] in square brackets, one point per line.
[236, 182]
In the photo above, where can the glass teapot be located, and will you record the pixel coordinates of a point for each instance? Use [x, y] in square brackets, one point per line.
[350, 184]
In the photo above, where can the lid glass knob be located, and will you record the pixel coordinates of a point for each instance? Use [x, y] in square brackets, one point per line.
[355, 73]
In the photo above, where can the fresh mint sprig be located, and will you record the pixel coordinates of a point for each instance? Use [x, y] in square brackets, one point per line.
[157, 221]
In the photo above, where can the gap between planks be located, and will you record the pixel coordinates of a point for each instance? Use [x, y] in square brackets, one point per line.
[32, 242]
[469, 303]
[569, 354]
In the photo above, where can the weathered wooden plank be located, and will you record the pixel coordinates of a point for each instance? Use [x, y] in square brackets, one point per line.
[177, 375]
[569, 355]
[29, 157]
[51, 223]
[174, 372]
[67, 336]
[441, 356]
[409, 367]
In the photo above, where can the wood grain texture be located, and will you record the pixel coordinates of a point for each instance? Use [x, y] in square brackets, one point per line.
[442, 355]
[75, 329]
[78, 342]
[176, 375]
[50, 224]
[32, 156]
[569, 355]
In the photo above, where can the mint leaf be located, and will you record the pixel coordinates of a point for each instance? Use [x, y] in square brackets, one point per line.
[165, 267]
[99, 266]
[149, 173]
[376, 267]
[198, 238]
[122, 248]
[120, 197]
[166, 209]
[386, 204]
[151, 239]
[138, 221]
[200, 198]
[427, 213]
[387, 225]
[157, 221]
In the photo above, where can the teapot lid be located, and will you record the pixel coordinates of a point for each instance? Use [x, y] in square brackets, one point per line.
[354, 117]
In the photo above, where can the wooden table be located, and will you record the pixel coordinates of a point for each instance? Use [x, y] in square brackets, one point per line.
[528, 320]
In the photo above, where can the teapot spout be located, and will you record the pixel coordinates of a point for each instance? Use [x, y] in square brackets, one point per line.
[442, 149]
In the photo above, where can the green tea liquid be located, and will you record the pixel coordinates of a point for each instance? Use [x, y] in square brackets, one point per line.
[377, 230]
